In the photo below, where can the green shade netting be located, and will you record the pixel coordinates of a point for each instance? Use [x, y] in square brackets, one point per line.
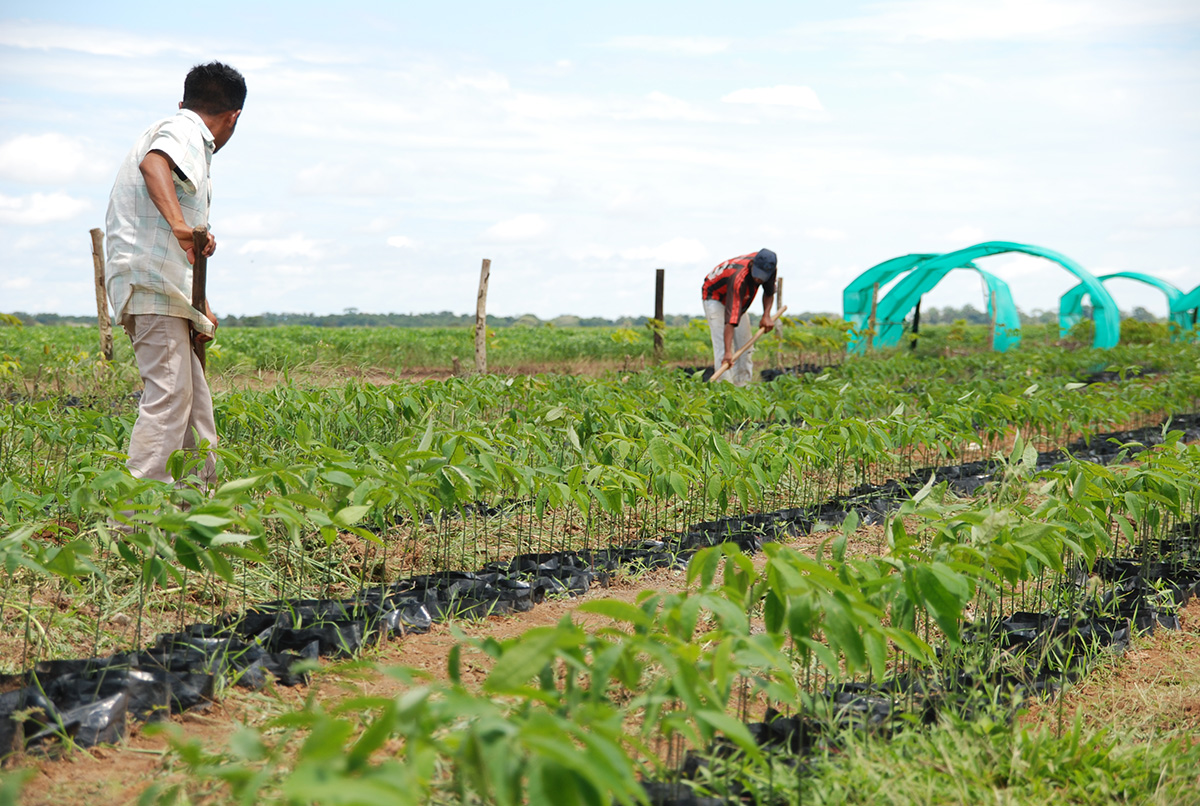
[889, 328]
[1189, 301]
[1070, 305]
[925, 271]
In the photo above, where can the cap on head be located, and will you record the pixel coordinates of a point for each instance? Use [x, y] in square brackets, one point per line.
[762, 267]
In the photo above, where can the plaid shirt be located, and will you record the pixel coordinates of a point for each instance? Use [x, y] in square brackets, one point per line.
[732, 284]
[146, 271]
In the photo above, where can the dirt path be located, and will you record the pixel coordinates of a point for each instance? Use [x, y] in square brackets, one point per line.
[120, 773]
[1153, 687]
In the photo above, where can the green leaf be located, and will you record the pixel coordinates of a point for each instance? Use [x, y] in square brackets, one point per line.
[734, 729]
[211, 521]
[427, 439]
[841, 630]
[231, 539]
[339, 477]
[237, 484]
[660, 454]
[616, 610]
[876, 648]
[522, 660]
[348, 516]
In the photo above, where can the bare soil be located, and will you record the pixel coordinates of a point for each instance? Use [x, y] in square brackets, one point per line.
[120, 773]
[1153, 687]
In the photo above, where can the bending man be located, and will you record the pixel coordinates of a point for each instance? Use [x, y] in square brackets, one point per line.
[162, 192]
[728, 292]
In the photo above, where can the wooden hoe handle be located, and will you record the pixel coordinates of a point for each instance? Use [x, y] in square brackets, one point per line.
[199, 284]
[721, 369]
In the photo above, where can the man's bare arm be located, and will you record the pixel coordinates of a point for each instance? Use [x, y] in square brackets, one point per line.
[157, 171]
[767, 322]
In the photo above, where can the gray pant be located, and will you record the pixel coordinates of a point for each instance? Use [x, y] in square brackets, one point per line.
[176, 412]
[742, 371]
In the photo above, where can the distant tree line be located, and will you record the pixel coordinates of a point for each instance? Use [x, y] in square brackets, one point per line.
[352, 317]
[972, 316]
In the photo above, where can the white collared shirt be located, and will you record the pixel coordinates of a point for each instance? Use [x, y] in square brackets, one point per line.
[146, 270]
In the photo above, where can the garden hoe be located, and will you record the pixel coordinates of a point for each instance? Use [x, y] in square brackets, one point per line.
[721, 370]
[199, 281]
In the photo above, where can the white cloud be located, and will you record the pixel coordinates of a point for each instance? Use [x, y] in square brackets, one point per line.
[961, 81]
[590, 252]
[95, 41]
[1000, 20]
[287, 270]
[541, 108]
[843, 272]
[381, 223]
[1014, 265]
[50, 159]
[1179, 219]
[1181, 273]
[487, 82]
[40, 208]
[293, 246]
[618, 156]
[18, 282]
[246, 225]
[30, 240]
[781, 95]
[1129, 236]
[660, 106]
[825, 234]
[964, 236]
[343, 179]
[401, 242]
[522, 228]
[674, 251]
[679, 45]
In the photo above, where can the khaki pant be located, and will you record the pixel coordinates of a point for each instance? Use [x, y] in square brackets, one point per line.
[742, 371]
[176, 411]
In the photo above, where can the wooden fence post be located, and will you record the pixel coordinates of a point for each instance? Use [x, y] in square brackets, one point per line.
[778, 329]
[916, 331]
[992, 314]
[658, 314]
[102, 320]
[871, 320]
[485, 271]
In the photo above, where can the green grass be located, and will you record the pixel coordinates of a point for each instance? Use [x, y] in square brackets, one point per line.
[598, 461]
[986, 762]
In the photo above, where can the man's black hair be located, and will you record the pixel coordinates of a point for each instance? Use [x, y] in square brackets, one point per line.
[213, 88]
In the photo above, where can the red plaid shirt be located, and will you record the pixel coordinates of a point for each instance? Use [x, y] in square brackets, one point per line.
[731, 283]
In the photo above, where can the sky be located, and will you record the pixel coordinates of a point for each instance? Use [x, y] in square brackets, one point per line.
[386, 148]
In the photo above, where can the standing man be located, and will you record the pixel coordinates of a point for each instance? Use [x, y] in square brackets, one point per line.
[162, 192]
[728, 291]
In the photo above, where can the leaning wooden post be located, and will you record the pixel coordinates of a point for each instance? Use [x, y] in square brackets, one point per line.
[105, 324]
[200, 289]
[658, 314]
[481, 318]
[778, 330]
[871, 320]
[916, 331]
[992, 314]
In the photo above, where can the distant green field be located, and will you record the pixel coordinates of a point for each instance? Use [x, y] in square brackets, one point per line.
[65, 358]
[330, 488]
